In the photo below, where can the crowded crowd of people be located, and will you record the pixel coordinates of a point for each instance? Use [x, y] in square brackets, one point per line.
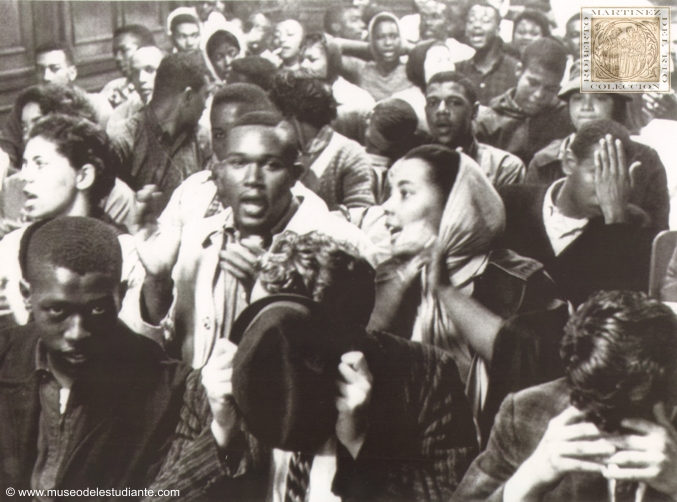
[399, 258]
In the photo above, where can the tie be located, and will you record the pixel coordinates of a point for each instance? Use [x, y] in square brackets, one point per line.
[298, 477]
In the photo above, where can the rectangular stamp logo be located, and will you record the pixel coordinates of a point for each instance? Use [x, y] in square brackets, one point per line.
[625, 49]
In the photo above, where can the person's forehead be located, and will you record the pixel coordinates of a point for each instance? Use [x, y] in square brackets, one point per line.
[543, 75]
[414, 171]
[225, 113]
[433, 7]
[126, 40]
[61, 283]
[260, 20]
[350, 14]
[146, 57]
[52, 57]
[255, 139]
[446, 89]
[386, 25]
[44, 147]
[481, 11]
[316, 50]
[290, 26]
[187, 27]
[527, 24]
[225, 45]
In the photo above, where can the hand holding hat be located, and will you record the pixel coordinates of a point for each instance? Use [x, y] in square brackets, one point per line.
[353, 401]
[217, 380]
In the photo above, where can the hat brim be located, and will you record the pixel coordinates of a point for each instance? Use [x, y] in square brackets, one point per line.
[249, 314]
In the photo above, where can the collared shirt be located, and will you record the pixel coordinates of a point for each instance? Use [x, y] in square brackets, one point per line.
[383, 86]
[230, 295]
[493, 82]
[322, 472]
[150, 156]
[561, 229]
[59, 418]
[501, 167]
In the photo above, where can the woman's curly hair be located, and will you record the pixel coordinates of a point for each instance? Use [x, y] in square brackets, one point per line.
[619, 351]
[318, 267]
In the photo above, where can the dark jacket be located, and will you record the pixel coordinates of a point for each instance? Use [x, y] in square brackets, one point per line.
[603, 257]
[520, 425]
[420, 440]
[650, 189]
[526, 350]
[134, 402]
[504, 125]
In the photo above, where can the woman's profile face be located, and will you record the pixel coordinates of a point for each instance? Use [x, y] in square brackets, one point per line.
[414, 210]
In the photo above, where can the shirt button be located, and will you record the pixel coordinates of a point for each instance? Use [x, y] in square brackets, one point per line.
[207, 323]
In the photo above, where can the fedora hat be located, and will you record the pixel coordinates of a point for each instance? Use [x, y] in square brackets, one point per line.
[285, 371]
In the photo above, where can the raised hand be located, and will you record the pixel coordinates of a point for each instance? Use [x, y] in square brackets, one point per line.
[648, 454]
[353, 401]
[217, 376]
[240, 259]
[157, 249]
[613, 179]
[569, 445]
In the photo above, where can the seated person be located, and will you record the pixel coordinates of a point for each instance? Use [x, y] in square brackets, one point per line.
[184, 32]
[391, 133]
[605, 432]
[528, 117]
[398, 428]
[202, 281]
[143, 65]
[335, 167]
[67, 170]
[650, 185]
[160, 145]
[322, 59]
[498, 313]
[40, 101]
[529, 25]
[385, 75]
[583, 227]
[54, 64]
[491, 69]
[451, 106]
[126, 40]
[344, 21]
[425, 60]
[222, 48]
[252, 70]
[287, 38]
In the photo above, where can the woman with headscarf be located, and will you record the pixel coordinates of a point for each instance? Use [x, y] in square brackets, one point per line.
[498, 313]
[222, 48]
[385, 75]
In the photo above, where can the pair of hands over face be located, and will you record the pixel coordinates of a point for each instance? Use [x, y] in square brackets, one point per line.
[352, 401]
[647, 452]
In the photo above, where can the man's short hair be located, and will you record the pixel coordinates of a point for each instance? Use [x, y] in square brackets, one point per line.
[142, 34]
[546, 53]
[416, 63]
[273, 119]
[54, 98]
[76, 243]
[56, 46]
[396, 121]
[536, 17]
[457, 78]
[221, 37]
[444, 165]
[183, 18]
[251, 96]
[178, 71]
[575, 17]
[588, 136]
[309, 100]
[81, 142]
[255, 70]
[620, 352]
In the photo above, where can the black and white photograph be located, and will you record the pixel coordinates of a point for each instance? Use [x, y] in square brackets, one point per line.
[338, 250]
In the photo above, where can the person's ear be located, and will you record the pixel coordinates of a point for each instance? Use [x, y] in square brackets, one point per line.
[569, 162]
[519, 69]
[72, 73]
[85, 177]
[188, 95]
[25, 289]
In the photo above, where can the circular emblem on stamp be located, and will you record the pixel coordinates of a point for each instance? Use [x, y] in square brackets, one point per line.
[625, 50]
